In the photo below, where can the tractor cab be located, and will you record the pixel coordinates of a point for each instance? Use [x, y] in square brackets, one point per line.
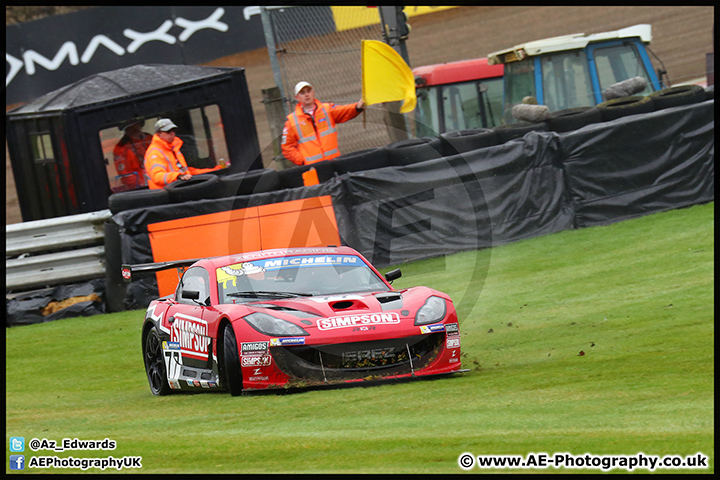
[573, 71]
[457, 96]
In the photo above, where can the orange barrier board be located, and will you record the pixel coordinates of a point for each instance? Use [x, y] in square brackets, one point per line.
[308, 222]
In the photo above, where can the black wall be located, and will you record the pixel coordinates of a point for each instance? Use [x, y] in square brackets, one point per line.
[46, 54]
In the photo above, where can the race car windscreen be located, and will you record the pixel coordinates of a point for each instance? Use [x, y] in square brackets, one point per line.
[283, 277]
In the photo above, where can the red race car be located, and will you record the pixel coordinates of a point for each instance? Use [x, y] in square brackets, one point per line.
[301, 317]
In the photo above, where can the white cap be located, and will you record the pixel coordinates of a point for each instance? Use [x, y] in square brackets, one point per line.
[164, 125]
[300, 86]
[130, 123]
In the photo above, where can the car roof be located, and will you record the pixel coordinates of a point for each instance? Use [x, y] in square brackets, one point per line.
[216, 262]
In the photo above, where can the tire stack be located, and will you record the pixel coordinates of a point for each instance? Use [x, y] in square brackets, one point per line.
[505, 133]
[573, 118]
[677, 96]
[624, 106]
[368, 159]
[462, 141]
[119, 202]
[249, 183]
[414, 150]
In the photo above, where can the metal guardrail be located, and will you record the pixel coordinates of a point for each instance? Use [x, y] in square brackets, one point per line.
[55, 251]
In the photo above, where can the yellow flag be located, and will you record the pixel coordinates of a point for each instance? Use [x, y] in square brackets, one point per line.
[386, 77]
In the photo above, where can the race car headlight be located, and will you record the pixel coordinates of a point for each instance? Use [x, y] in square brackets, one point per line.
[433, 311]
[273, 326]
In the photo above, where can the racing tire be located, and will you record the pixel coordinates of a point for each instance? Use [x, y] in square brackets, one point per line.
[710, 92]
[414, 150]
[624, 106]
[462, 141]
[231, 362]
[325, 169]
[291, 177]
[368, 159]
[121, 201]
[198, 187]
[505, 133]
[249, 183]
[677, 96]
[155, 363]
[571, 119]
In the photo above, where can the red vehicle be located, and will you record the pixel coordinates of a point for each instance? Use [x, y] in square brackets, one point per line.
[287, 318]
[458, 96]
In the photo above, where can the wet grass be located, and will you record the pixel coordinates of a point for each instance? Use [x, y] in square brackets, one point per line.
[591, 341]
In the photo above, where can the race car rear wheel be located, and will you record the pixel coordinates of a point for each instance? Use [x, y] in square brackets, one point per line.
[155, 364]
[231, 361]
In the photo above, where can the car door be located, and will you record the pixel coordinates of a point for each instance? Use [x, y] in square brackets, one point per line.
[188, 325]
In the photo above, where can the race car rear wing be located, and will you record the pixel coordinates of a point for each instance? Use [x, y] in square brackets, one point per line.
[147, 268]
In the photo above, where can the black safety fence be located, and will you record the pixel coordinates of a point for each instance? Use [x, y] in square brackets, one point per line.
[640, 164]
[450, 204]
[453, 198]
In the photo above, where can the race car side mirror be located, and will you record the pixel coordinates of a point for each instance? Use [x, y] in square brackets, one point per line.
[190, 294]
[393, 275]
[194, 295]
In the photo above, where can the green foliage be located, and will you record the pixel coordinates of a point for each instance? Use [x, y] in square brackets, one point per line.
[590, 341]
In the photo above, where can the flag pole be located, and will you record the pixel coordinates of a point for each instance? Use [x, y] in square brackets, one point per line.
[362, 78]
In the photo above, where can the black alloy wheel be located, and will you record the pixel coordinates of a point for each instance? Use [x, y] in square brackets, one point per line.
[231, 360]
[155, 364]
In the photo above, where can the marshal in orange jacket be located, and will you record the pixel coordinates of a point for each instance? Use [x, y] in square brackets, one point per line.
[164, 162]
[128, 155]
[311, 138]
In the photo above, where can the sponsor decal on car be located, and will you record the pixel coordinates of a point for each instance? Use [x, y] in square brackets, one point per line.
[173, 360]
[279, 252]
[363, 329]
[256, 361]
[345, 321]
[335, 298]
[280, 342]
[432, 328]
[453, 342]
[245, 268]
[370, 354]
[452, 328]
[253, 348]
[170, 345]
[311, 260]
[192, 336]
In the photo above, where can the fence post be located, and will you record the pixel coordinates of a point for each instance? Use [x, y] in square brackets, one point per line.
[272, 51]
[272, 98]
[395, 121]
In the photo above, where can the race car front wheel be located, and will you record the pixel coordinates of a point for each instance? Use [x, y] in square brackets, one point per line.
[231, 361]
[155, 364]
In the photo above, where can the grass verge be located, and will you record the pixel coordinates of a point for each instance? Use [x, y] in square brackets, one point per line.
[591, 341]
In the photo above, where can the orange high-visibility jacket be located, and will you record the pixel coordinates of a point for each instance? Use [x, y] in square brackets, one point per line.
[165, 163]
[129, 155]
[312, 138]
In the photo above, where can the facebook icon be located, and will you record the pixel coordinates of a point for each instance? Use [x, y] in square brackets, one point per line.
[17, 462]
